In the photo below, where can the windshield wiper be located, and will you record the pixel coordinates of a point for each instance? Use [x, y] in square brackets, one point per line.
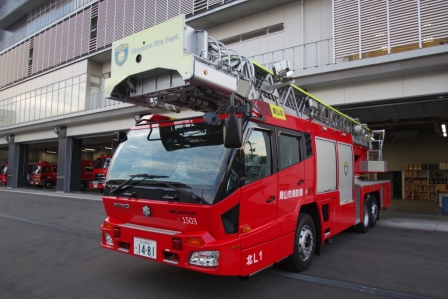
[133, 176]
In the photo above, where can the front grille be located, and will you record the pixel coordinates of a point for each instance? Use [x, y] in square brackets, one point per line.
[123, 246]
[99, 177]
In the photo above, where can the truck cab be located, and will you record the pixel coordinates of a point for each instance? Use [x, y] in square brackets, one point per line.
[43, 175]
[100, 168]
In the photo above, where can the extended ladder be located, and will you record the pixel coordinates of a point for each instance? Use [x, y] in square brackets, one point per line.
[171, 65]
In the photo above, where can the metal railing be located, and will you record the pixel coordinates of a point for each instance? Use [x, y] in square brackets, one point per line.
[300, 57]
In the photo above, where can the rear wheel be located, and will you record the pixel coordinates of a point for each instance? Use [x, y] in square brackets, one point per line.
[374, 211]
[304, 244]
[363, 227]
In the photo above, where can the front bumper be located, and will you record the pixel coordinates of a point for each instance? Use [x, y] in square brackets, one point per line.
[124, 234]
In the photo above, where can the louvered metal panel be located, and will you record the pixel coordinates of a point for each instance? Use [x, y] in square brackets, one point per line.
[403, 22]
[128, 14]
[173, 9]
[48, 49]
[30, 67]
[102, 23]
[161, 11]
[186, 7]
[326, 165]
[78, 35]
[119, 20]
[86, 45]
[373, 25]
[150, 13]
[37, 65]
[110, 22]
[65, 37]
[72, 29]
[139, 15]
[346, 27]
[434, 19]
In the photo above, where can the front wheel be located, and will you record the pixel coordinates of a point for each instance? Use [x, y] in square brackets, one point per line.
[48, 184]
[304, 244]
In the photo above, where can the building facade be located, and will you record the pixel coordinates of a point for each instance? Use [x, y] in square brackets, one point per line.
[384, 62]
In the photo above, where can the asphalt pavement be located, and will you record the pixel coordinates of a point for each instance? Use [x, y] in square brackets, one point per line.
[402, 213]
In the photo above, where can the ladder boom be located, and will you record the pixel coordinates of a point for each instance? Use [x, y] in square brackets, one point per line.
[171, 65]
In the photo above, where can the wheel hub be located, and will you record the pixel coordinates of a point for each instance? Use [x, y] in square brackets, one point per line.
[306, 243]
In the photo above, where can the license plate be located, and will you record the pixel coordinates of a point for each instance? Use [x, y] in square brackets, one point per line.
[146, 248]
[95, 184]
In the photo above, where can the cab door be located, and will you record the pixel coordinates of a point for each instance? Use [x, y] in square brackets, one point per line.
[258, 205]
[291, 177]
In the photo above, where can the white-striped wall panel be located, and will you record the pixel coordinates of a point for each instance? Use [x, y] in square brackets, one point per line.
[373, 25]
[403, 22]
[434, 19]
[85, 31]
[346, 27]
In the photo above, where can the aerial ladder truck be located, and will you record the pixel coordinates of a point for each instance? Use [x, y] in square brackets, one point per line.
[234, 168]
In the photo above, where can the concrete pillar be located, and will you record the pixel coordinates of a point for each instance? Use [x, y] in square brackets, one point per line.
[64, 159]
[17, 164]
[75, 173]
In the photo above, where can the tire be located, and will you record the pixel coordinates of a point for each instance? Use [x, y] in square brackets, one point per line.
[363, 227]
[83, 186]
[304, 244]
[101, 190]
[374, 211]
[48, 184]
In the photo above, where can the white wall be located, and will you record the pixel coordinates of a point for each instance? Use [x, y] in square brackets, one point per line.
[317, 26]
[423, 83]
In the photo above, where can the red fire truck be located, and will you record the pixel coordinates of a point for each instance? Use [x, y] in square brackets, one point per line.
[100, 167]
[86, 173]
[262, 173]
[43, 174]
[4, 174]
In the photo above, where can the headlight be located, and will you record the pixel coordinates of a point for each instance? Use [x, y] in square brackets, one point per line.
[205, 258]
[109, 240]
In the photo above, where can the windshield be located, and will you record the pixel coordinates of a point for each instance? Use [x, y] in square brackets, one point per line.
[185, 156]
[102, 163]
[3, 169]
[36, 169]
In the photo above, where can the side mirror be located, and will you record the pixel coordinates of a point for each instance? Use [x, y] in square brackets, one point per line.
[233, 130]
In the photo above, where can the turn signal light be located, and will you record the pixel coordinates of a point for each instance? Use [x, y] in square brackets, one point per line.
[107, 225]
[245, 229]
[194, 241]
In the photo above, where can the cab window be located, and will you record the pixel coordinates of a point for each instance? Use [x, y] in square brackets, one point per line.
[289, 150]
[257, 156]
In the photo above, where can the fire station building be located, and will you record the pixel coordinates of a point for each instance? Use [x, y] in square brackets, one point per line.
[382, 62]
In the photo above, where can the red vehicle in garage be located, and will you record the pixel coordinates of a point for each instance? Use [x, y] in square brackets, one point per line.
[266, 174]
[43, 174]
[100, 167]
[4, 174]
[86, 173]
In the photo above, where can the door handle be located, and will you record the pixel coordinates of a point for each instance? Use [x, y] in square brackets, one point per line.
[271, 199]
[300, 182]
